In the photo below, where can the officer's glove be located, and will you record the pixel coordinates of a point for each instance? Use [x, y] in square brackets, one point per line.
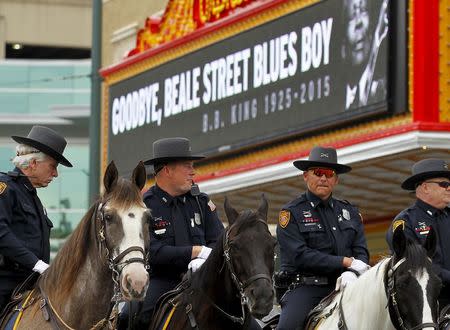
[359, 266]
[204, 253]
[344, 279]
[40, 267]
[196, 264]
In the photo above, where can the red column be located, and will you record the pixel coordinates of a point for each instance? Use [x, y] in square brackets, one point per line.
[426, 60]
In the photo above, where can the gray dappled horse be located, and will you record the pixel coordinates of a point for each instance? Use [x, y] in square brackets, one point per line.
[107, 247]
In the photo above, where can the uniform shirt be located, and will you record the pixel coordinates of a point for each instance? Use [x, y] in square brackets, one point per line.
[24, 225]
[177, 224]
[314, 236]
[416, 221]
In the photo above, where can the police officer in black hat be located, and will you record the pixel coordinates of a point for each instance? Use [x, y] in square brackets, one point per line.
[24, 225]
[430, 180]
[184, 226]
[321, 239]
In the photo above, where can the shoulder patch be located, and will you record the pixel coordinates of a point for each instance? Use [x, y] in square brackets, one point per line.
[3, 187]
[284, 218]
[397, 223]
[211, 205]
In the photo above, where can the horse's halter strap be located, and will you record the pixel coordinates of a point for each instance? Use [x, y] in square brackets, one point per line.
[392, 300]
[114, 262]
[241, 286]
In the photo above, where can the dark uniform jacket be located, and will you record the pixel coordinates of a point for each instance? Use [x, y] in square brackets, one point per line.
[177, 224]
[416, 221]
[24, 229]
[313, 240]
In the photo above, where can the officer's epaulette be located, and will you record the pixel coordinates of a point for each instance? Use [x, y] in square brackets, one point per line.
[297, 201]
[14, 174]
[344, 201]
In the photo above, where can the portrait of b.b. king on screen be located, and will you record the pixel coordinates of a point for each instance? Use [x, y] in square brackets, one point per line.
[366, 26]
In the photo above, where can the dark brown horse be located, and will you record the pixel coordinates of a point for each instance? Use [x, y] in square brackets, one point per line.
[234, 283]
[103, 261]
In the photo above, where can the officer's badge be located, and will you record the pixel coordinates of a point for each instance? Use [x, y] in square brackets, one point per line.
[197, 219]
[284, 218]
[211, 205]
[346, 214]
[398, 223]
[3, 187]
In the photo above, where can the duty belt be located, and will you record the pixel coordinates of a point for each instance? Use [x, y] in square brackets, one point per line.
[299, 280]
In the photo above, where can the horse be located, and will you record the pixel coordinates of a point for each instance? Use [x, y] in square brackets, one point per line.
[102, 262]
[399, 292]
[234, 283]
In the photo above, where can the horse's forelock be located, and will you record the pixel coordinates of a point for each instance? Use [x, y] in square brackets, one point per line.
[124, 195]
[247, 218]
[416, 259]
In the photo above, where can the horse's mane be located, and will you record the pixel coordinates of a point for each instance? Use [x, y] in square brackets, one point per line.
[64, 269]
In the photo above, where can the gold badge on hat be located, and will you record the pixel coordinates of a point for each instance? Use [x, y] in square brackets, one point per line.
[284, 218]
[398, 223]
[3, 187]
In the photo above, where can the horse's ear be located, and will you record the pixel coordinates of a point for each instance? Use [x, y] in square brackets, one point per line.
[399, 242]
[263, 207]
[139, 175]
[231, 213]
[111, 176]
[430, 242]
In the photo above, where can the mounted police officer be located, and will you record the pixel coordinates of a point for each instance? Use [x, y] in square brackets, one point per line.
[321, 239]
[24, 225]
[184, 225]
[430, 180]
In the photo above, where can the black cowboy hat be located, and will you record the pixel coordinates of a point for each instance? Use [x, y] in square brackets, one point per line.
[172, 149]
[426, 169]
[47, 141]
[322, 157]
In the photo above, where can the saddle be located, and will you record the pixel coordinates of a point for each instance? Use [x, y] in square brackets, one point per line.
[20, 293]
[314, 317]
[167, 302]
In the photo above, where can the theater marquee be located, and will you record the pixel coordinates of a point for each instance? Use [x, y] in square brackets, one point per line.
[315, 68]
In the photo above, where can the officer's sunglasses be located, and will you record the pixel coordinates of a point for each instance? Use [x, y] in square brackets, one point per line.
[442, 184]
[320, 171]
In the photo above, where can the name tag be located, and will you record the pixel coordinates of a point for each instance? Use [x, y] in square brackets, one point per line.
[160, 231]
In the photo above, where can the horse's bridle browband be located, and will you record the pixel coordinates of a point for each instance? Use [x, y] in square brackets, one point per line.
[241, 286]
[392, 301]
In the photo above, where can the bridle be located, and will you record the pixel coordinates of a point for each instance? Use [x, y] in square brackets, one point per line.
[115, 263]
[116, 267]
[391, 293]
[241, 286]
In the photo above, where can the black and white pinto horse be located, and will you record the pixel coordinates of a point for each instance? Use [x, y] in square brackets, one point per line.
[400, 292]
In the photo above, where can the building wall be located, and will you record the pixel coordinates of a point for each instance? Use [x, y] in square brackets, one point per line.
[63, 23]
[119, 34]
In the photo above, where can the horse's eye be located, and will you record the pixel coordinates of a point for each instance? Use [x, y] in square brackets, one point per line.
[108, 217]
